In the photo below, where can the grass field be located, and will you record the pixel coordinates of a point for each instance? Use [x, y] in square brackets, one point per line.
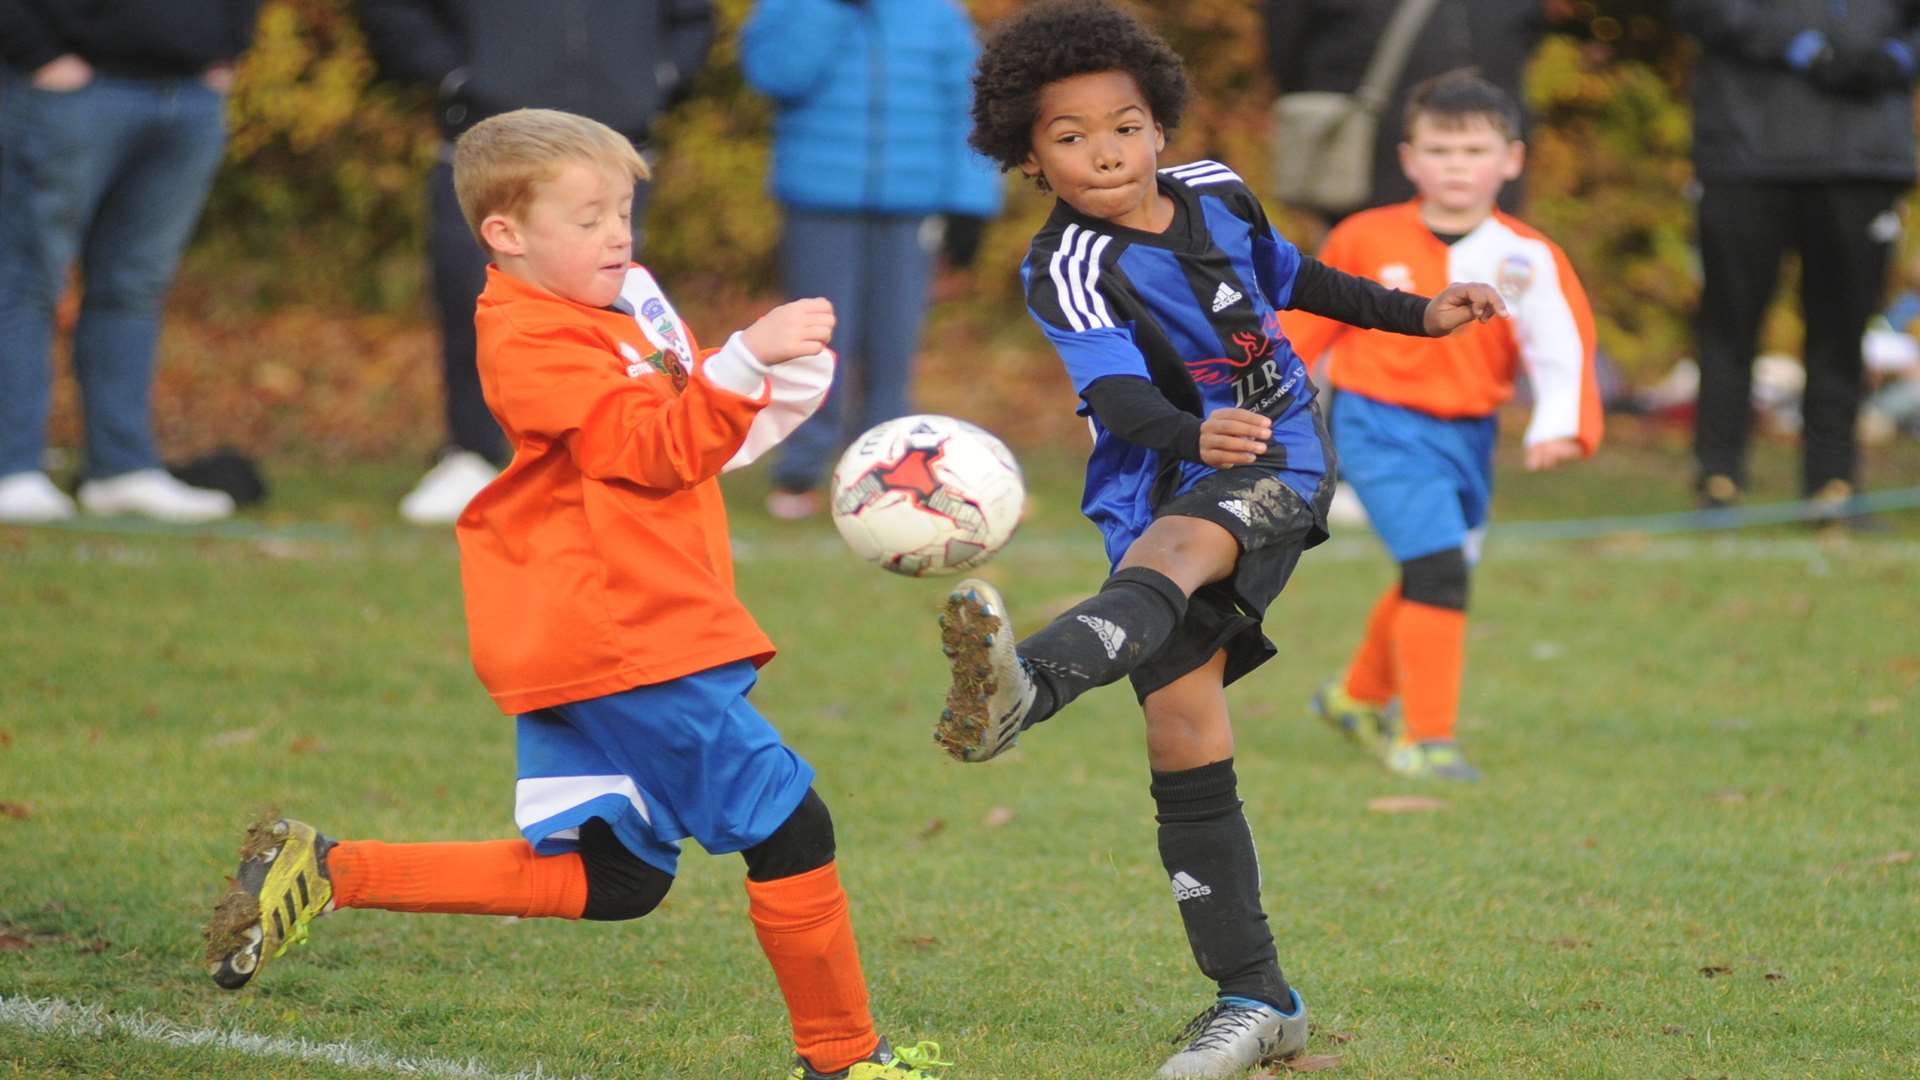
[1693, 855]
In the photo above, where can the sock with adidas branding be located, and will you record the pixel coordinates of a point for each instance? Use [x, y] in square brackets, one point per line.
[1102, 638]
[1207, 848]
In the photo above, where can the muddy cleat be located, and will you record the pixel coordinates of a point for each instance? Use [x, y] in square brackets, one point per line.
[1233, 1035]
[281, 886]
[885, 1063]
[992, 692]
[1439, 759]
[1372, 727]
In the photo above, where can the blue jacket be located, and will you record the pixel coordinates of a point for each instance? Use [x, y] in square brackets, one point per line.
[873, 100]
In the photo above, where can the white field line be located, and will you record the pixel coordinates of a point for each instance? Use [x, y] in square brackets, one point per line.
[59, 1017]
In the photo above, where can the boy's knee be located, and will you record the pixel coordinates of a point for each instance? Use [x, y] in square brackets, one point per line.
[1189, 551]
[620, 884]
[1155, 583]
[803, 843]
[1436, 580]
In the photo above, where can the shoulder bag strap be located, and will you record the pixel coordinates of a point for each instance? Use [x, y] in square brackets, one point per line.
[1390, 59]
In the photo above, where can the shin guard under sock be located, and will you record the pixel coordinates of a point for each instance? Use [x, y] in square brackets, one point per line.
[1102, 638]
[803, 928]
[1370, 672]
[1207, 848]
[1430, 644]
[488, 877]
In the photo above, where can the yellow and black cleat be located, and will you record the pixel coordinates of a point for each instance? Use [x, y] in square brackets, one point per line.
[885, 1063]
[281, 886]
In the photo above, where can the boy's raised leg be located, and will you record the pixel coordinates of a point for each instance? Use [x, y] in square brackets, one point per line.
[1000, 690]
[290, 875]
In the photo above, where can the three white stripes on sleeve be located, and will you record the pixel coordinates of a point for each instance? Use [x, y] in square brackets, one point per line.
[1075, 266]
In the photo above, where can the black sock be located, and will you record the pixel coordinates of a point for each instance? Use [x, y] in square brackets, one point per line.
[1208, 852]
[1102, 638]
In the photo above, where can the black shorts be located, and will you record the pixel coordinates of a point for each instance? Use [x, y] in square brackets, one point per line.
[1272, 525]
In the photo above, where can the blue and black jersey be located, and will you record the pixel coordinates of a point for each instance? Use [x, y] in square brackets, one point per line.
[1159, 330]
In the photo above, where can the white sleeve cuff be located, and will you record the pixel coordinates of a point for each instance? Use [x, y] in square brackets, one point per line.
[736, 369]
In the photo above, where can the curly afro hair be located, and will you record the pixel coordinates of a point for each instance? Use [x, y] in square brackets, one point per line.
[1058, 39]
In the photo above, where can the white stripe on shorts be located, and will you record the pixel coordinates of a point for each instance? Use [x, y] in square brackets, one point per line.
[537, 798]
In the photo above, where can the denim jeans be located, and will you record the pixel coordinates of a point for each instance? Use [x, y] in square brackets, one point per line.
[114, 175]
[875, 270]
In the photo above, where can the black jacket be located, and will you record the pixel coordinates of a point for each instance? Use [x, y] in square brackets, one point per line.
[127, 37]
[620, 62]
[1327, 44]
[1756, 118]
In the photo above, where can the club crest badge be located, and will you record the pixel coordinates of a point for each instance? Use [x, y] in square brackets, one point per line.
[1515, 277]
[666, 328]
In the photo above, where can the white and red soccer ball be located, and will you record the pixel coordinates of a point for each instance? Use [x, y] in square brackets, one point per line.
[925, 495]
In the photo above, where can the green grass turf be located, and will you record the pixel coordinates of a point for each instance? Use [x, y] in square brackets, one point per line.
[1685, 860]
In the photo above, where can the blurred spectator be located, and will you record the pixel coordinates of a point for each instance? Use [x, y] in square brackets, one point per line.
[1892, 355]
[1803, 139]
[621, 62]
[1325, 45]
[113, 119]
[870, 144]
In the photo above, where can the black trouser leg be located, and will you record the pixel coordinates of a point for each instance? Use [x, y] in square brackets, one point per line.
[1744, 229]
[1847, 237]
[459, 269]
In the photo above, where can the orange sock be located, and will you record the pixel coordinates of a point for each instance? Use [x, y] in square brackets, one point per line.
[1430, 645]
[1370, 675]
[803, 928]
[489, 877]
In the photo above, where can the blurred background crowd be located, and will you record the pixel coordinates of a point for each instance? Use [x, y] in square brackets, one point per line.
[321, 308]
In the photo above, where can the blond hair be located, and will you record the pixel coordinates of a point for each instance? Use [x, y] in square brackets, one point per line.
[497, 162]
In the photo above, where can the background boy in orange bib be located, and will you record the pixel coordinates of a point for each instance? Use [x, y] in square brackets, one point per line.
[1414, 420]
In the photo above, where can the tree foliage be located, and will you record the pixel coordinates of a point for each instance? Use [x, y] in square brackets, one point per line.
[322, 200]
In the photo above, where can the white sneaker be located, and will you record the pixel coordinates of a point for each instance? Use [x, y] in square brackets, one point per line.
[154, 493]
[447, 488]
[27, 498]
[992, 692]
[1231, 1036]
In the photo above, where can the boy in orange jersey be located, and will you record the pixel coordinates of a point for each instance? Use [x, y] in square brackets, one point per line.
[601, 610]
[1414, 421]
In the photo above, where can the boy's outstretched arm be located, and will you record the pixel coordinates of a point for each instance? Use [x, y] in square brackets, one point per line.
[1319, 289]
[560, 383]
[1462, 303]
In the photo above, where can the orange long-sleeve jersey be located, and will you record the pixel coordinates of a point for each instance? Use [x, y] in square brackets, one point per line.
[1470, 372]
[598, 560]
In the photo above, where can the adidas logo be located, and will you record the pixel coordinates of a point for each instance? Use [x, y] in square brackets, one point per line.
[1238, 508]
[1185, 887]
[1111, 636]
[1225, 297]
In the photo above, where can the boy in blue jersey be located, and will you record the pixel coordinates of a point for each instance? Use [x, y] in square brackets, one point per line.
[1210, 471]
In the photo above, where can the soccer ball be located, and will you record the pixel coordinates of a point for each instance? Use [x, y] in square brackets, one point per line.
[925, 495]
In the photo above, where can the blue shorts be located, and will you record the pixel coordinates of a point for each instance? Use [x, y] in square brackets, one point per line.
[1426, 481]
[687, 758]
